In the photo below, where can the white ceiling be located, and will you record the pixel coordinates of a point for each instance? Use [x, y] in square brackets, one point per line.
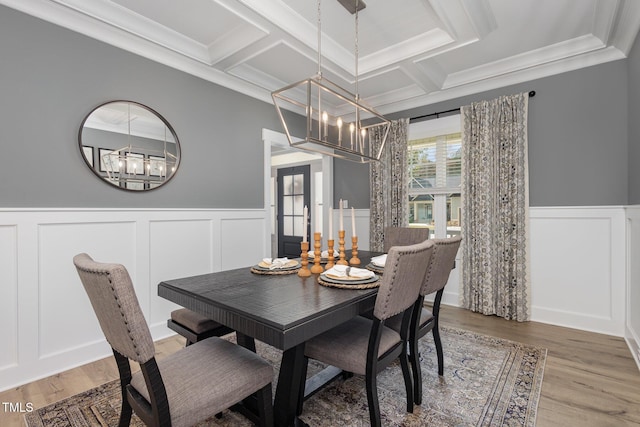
[412, 52]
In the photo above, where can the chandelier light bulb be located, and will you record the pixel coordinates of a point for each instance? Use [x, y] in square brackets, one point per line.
[325, 120]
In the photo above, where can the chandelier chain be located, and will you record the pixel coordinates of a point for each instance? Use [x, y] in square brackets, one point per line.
[356, 51]
[319, 41]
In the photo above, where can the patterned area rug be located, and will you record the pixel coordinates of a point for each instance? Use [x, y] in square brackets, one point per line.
[487, 382]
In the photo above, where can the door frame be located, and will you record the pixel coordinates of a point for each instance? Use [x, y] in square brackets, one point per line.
[271, 138]
[287, 243]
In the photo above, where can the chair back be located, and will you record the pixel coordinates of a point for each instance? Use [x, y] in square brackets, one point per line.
[404, 236]
[115, 303]
[442, 260]
[404, 273]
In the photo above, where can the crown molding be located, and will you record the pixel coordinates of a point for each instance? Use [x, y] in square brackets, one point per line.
[390, 105]
[138, 26]
[533, 58]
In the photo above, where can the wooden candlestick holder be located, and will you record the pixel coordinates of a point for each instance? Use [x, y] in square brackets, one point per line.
[330, 258]
[304, 255]
[342, 260]
[317, 244]
[354, 251]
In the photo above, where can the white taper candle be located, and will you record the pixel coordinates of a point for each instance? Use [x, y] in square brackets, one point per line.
[353, 222]
[305, 215]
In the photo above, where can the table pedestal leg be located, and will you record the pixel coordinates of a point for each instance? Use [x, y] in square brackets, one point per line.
[292, 369]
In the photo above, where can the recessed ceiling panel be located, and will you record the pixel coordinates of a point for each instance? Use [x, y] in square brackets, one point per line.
[530, 25]
[200, 20]
[384, 82]
[382, 23]
[284, 63]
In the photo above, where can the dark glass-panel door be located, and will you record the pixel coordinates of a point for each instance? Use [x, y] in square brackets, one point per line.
[294, 193]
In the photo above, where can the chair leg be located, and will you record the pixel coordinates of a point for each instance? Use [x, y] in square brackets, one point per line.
[372, 400]
[124, 369]
[408, 384]
[438, 343]
[125, 414]
[265, 406]
[414, 359]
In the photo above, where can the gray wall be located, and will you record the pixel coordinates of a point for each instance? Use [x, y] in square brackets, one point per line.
[633, 65]
[50, 78]
[578, 138]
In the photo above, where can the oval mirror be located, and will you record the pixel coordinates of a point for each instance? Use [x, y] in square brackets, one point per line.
[129, 145]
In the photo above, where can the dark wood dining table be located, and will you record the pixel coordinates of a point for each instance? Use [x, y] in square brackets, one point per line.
[280, 310]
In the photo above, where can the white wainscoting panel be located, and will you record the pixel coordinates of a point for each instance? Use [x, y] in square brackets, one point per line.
[578, 267]
[632, 330]
[362, 229]
[66, 320]
[583, 272]
[9, 300]
[48, 323]
[243, 241]
[177, 248]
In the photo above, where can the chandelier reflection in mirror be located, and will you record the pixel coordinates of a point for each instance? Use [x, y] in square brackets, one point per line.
[334, 116]
[135, 148]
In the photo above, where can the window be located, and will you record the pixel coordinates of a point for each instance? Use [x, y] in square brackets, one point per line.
[435, 172]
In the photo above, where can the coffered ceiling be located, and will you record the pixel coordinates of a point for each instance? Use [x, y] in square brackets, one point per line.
[412, 52]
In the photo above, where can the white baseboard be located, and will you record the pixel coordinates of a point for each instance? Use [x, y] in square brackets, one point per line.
[634, 345]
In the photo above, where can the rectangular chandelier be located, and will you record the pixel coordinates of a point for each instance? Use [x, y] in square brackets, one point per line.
[334, 120]
[338, 123]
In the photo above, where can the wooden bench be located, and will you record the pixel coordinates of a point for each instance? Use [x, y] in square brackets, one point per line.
[195, 327]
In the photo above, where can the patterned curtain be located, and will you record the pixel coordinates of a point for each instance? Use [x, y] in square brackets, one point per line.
[388, 182]
[495, 208]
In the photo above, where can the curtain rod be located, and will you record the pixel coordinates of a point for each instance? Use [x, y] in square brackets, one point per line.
[437, 115]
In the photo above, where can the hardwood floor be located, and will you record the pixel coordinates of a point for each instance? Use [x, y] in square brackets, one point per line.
[590, 379]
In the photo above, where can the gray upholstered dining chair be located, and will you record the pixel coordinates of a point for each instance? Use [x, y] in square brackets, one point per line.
[366, 346]
[402, 236]
[423, 319]
[187, 386]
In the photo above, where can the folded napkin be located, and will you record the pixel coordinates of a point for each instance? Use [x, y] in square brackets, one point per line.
[379, 260]
[345, 272]
[324, 254]
[273, 264]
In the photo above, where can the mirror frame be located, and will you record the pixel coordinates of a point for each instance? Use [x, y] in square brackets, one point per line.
[95, 169]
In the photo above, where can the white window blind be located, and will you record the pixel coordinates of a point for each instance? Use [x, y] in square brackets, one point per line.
[435, 172]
